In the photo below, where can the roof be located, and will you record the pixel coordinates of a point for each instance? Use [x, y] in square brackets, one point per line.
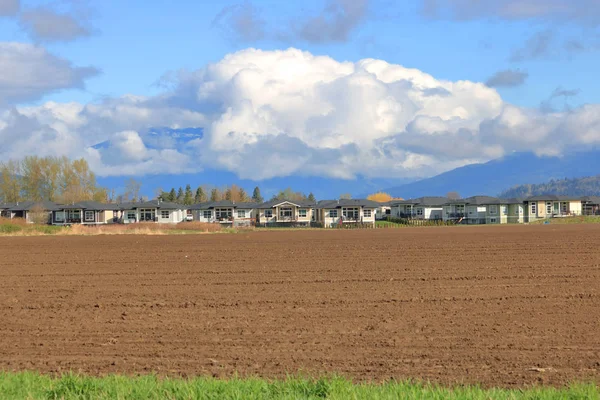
[29, 205]
[591, 199]
[90, 205]
[430, 201]
[6, 206]
[551, 197]
[478, 200]
[348, 203]
[223, 203]
[163, 205]
[274, 203]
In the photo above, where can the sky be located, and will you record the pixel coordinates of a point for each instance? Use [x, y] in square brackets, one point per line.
[319, 88]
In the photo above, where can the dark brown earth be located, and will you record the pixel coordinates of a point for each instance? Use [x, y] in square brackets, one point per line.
[505, 306]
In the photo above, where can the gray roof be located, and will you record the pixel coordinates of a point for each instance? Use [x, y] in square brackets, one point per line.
[273, 203]
[223, 203]
[591, 199]
[477, 200]
[6, 206]
[430, 201]
[90, 205]
[163, 205]
[29, 205]
[347, 203]
[551, 197]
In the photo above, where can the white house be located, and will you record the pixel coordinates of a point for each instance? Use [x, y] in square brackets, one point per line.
[429, 208]
[225, 212]
[285, 212]
[151, 211]
[346, 211]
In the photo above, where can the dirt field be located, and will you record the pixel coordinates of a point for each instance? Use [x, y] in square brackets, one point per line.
[503, 306]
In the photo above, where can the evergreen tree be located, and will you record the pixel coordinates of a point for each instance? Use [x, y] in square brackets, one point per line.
[311, 198]
[188, 197]
[180, 195]
[172, 195]
[200, 195]
[215, 195]
[256, 196]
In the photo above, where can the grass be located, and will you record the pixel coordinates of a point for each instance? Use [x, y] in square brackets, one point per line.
[570, 220]
[31, 385]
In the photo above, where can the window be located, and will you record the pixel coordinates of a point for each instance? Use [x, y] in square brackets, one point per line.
[207, 214]
[223, 213]
[59, 216]
[460, 209]
[148, 214]
[565, 207]
[533, 208]
[482, 210]
[368, 213]
[74, 215]
[131, 215]
[268, 213]
[350, 213]
[286, 212]
[519, 210]
[241, 213]
[493, 209]
[302, 213]
[165, 214]
[504, 210]
[548, 207]
[492, 220]
[333, 213]
[90, 216]
[419, 211]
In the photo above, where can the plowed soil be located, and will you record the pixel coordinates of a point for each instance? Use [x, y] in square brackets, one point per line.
[500, 306]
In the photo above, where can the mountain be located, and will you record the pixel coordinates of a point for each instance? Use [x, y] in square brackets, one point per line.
[588, 186]
[495, 176]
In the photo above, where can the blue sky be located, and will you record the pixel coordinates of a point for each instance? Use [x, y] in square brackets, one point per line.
[537, 58]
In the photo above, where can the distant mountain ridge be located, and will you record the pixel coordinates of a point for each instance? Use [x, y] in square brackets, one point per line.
[588, 186]
[496, 176]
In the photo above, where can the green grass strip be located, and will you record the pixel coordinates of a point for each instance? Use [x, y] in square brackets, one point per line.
[30, 385]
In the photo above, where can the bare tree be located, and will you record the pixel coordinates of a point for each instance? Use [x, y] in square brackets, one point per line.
[453, 195]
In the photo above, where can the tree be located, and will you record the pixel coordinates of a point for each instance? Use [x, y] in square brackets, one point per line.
[311, 198]
[379, 197]
[345, 196]
[200, 195]
[188, 197]
[242, 196]
[132, 189]
[180, 195]
[229, 194]
[10, 182]
[289, 194]
[38, 215]
[215, 195]
[256, 196]
[172, 195]
[453, 195]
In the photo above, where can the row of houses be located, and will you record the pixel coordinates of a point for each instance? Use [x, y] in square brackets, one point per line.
[491, 210]
[326, 213]
[276, 212]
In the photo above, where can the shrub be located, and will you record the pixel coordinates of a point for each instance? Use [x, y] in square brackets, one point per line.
[9, 228]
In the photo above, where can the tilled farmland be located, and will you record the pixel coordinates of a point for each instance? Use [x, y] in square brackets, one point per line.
[500, 306]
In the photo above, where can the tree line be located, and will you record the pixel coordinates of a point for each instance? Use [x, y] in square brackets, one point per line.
[62, 180]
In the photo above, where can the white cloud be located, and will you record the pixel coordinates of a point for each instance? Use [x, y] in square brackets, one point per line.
[46, 25]
[277, 113]
[27, 72]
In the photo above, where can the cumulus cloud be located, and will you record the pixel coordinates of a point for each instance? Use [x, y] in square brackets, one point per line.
[277, 113]
[27, 72]
[507, 78]
[46, 25]
[9, 8]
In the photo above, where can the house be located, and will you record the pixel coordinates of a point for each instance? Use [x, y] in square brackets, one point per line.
[421, 208]
[551, 206]
[5, 209]
[346, 211]
[85, 213]
[33, 211]
[151, 211]
[590, 205]
[384, 210]
[225, 212]
[285, 212]
[484, 210]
